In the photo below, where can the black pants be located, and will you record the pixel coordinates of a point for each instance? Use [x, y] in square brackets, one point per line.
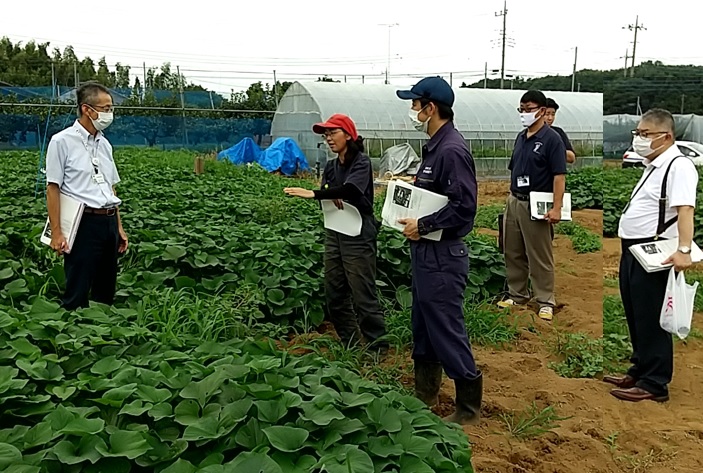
[91, 266]
[652, 347]
[350, 284]
[440, 270]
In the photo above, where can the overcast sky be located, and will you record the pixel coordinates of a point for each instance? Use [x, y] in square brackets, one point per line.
[225, 45]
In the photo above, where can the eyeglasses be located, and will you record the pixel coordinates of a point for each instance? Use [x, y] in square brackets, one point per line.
[104, 108]
[329, 133]
[647, 134]
[527, 110]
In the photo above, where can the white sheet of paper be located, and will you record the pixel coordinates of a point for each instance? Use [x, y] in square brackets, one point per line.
[652, 255]
[346, 221]
[541, 202]
[404, 200]
[71, 212]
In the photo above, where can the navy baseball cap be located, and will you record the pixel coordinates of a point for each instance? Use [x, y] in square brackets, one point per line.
[434, 88]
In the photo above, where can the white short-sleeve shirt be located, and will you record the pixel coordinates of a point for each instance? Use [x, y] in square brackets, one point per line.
[69, 165]
[642, 216]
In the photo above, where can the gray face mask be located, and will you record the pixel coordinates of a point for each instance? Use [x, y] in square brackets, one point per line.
[419, 125]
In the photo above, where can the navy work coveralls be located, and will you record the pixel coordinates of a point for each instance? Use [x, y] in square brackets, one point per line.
[350, 262]
[440, 268]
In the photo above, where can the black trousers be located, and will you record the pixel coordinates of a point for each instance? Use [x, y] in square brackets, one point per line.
[652, 347]
[350, 285]
[91, 266]
[440, 271]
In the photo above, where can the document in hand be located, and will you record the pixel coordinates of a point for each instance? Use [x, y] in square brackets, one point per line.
[346, 221]
[404, 200]
[542, 202]
[651, 255]
[71, 213]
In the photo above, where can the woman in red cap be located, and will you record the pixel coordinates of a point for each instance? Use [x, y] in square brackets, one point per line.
[350, 262]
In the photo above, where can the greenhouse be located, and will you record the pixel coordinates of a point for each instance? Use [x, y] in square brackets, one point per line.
[487, 118]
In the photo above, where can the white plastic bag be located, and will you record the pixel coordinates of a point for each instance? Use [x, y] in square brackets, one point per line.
[677, 311]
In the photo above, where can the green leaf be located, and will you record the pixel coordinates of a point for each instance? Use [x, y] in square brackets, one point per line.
[106, 366]
[271, 411]
[135, 408]
[203, 390]
[124, 443]
[87, 449]
[276, 296]
[63, 392]
[174, 253]
[9, 454]
[83, 426]
[385, 418]
[414, 464]
[161, 411]
[321, 416]
[286, 439]
[152, 394]
[255, 462]
[180, 466]
[6, 273]
[250, 436]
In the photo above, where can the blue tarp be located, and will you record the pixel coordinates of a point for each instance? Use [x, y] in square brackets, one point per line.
[285, 155]
[246, 151]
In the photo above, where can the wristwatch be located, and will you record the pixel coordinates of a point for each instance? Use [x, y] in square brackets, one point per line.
[684, 249]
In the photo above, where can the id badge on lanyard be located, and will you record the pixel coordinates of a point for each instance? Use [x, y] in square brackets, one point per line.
[98, 176]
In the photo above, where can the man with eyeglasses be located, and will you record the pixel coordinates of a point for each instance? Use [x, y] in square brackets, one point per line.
[552, 107]
[647, 217]
[538, 164]
[79, 164]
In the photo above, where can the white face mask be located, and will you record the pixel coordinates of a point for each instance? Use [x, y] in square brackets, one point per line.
[103, 121]
[419, 125]
[643, 146]
[528, 119]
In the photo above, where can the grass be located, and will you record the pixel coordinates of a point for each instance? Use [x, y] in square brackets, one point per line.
[582, 239]
[531, 422]
[487, 216]
[581, 355]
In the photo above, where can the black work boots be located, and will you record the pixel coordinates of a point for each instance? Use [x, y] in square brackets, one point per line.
[469, 394]
[428, 379]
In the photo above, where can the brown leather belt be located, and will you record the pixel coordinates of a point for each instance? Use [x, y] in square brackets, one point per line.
[107, 212]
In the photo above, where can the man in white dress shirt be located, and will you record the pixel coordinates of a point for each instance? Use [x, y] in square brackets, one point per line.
[644, 219]
[79, 164]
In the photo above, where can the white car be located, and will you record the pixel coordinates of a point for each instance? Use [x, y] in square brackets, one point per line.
[690, 149]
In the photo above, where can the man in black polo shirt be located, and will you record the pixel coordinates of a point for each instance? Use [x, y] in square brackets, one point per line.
[552, 108]
[440, 268]
[538, 164]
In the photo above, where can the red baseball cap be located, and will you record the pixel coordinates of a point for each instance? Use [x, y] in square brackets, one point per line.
[337, 121]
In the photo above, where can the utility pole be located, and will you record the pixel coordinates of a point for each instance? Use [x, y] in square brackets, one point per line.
[504, 14]
[451, 77]
[183, 103]
[485, 74]
[275, 87]
[573, 76]
[388, 65]
[637, 26]
[682, 101]
[627, 56]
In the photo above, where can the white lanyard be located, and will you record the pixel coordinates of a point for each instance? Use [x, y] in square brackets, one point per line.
[98, 176]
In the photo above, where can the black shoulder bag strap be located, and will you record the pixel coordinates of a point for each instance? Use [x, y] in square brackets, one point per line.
[632, 197]
[663, 201]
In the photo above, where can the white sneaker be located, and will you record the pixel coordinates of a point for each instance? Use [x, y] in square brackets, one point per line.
[546, 313]
[504, 304]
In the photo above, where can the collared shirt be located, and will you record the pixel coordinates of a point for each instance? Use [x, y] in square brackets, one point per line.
[564, 138]
[357, 172]
[641, 218]
[447, 168]
[69, 165]
[536, 160]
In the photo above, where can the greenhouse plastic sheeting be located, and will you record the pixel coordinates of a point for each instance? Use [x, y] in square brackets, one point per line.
[399, 159]
[246, 151]
[284, 155]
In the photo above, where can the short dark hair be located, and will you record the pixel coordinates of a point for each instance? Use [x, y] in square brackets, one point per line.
[534, 96]
[444, 111]
[662, 118]
[355, 147]
[551, 103]
[87, 94]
